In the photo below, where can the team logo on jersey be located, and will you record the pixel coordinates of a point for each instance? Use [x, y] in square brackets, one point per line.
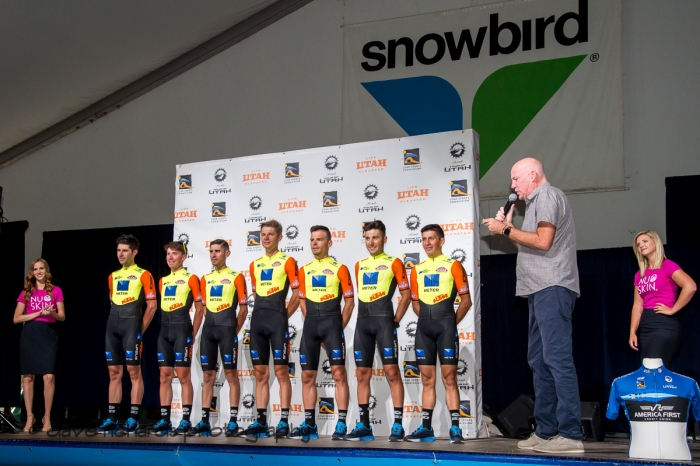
[178, 356]
[668, 379]
[318, 281]
[184, 182]
[441, 270]
[431, 280]
[254, 354]
[410, 370]
[122, 285]
[641, 383]
[266, 275]
[381, 267]
[161, 357]
[204, 359]
[358, 355]
[180, 282]
[370, 278]
[337, 354]
[108, 355]
[388, 352]
[449, 352]
[420, 354]
[170, 290]
[216, 291]
[277, 353]
[326, 405]
[228, 358]
[302, 358]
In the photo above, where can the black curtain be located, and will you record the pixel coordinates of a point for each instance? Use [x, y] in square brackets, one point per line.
[682, 248]
[12, 275]
[600, 329]
[81, 261]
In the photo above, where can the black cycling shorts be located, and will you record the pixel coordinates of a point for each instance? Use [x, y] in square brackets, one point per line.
[269, 328]
[375, 330]
[123, 341]
[322, 329]
[175, 344]
[217, 338]
[437, 337]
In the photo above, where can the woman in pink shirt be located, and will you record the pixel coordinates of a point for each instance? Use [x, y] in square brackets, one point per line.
[654, 328]
[39, 306]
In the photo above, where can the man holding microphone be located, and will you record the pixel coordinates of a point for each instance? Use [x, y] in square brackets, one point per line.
[547, 276]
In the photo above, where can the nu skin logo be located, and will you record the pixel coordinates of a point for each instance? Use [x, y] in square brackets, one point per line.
[505, 102]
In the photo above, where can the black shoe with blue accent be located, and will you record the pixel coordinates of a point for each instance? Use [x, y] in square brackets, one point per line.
[131, 426]
[360, 433]
[203, 429]
[397, 433]
[256, 430]
[282, 430]
[183, 428]
[232, 430]
[108, 426]
[161, 427]
[340, 430]
[421, 434]
[305, 432]
[456, 435]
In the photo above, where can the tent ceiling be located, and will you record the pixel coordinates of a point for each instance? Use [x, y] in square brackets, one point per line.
[57, 58]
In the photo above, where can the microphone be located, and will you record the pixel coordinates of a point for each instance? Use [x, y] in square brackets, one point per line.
[511, 200]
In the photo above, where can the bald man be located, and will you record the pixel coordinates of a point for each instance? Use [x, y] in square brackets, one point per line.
[548, 278]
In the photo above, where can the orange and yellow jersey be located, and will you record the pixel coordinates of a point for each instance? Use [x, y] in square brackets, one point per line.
[323, 284]
[222, 291]
[377, 278]
[129, 288]
[271, 277]
[435, 284]
[178, 291]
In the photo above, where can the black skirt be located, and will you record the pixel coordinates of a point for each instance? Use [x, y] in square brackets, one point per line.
[659, 336]
[37, 348]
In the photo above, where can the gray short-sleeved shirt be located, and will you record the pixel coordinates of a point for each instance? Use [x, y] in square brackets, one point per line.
[538, 269]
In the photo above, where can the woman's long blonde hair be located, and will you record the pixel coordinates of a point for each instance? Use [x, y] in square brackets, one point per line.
[30, 285]
[643, 261]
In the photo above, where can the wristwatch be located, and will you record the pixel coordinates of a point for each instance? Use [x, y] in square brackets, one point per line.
[506, 230]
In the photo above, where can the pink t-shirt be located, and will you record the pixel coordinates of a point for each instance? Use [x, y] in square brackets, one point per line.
[40, 299]
[657, 286]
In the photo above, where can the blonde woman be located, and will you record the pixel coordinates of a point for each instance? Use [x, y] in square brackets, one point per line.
[654, 329]
[39, 306]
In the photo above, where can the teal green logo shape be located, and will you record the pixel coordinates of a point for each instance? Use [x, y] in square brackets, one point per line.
[503, 106]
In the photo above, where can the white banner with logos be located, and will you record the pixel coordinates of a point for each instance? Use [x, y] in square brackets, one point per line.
[407, 183]
[534, 78]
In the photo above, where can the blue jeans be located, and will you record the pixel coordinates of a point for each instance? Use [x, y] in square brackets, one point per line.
[549, 353]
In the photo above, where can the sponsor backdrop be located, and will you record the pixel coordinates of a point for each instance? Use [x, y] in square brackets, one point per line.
[407, 183]
[540, 78]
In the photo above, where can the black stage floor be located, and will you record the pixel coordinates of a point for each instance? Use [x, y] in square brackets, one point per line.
[610, 450]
